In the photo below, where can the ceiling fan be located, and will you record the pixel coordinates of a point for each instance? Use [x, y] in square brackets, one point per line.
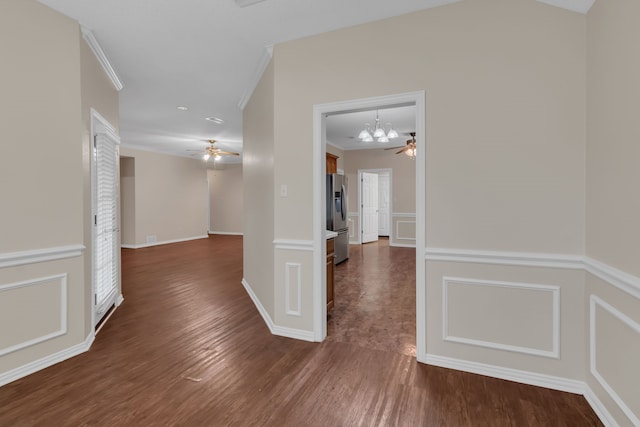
[409, 149]
[215, 152]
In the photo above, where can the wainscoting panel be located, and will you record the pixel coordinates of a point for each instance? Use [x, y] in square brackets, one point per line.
[293, 281]
[516, 317]
[614, 354]
[293, 291]
[354, 228]
[42, 315]
[403, 229]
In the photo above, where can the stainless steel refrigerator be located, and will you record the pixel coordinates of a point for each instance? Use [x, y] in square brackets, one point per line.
[337, 214]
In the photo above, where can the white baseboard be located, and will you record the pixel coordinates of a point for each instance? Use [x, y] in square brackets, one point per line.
[227, 233]
[45, 362]
[282, 331]
[599, 408]
[524, 377]
[402, 245]
[164, 242]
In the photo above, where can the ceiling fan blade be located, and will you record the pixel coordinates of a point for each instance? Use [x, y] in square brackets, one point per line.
[403, 150]
[228, 153]
[394, 148]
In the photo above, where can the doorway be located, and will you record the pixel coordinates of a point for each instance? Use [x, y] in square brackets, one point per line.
[374, 201]
[105, 264]
[320, 114]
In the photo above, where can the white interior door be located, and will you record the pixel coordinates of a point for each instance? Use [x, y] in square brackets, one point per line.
[384, 205]
[369, 191]
[106, 231]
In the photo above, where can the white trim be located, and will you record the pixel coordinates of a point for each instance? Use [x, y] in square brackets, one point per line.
[621, 280]
[263, 63]
[45, 362]
[354, 238]
[288, 270]
[63, 311]
[93, 44]
[593, 302]
[580, 6]
[555, 290]
[227, 233]
[273, 328]
[599, 408]
[294, 245]
[13, 259]
[403, 214]
[119, 300]
[505, 258]
[164, 242]
[509, 374]
[402, 245]
[618, 278]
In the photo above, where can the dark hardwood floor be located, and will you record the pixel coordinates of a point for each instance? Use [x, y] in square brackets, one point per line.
[375, 297]
[188, 348]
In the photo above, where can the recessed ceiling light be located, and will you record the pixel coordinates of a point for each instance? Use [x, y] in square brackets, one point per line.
[217, 120]
[182, 108]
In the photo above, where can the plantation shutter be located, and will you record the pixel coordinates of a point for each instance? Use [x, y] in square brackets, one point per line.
[106, 224]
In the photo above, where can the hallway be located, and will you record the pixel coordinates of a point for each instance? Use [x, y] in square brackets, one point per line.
[188, 348]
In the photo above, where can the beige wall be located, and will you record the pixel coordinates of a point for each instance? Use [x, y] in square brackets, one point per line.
[403, 180]
[613, 200]
[496, 107]
[403, 176]
[128, 201]
[170, 197]
[225, 199]
[41, 182]
[258, 200]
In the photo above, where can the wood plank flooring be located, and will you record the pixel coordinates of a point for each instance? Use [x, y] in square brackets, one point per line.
[188, 348]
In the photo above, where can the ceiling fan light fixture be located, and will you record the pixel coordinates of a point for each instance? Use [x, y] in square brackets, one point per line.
[217, 157]
[206, 157]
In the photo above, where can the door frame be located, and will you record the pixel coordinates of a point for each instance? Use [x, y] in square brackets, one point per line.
[97, 125]
[320, 112]
[377, 171]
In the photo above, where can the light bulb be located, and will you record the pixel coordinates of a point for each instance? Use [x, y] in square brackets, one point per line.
[383, 139]
[206, 157]
[217, 157]
[392, 133]
[379, 133]
[368, 138]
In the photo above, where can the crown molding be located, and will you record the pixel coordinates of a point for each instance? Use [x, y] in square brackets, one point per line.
[257, 75]
[88, 36]
[580, 6]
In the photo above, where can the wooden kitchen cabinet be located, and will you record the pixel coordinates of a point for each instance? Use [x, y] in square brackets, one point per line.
[330, 273]
[332, 163]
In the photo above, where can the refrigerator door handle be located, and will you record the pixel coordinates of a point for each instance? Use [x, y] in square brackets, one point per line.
[344, 202]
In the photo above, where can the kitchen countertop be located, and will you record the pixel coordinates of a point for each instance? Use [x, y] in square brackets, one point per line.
[330, 234]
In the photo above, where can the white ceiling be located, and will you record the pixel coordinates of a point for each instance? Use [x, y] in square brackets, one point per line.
[207, 55]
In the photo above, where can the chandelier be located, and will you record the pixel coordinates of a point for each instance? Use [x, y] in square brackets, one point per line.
[378, 132]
